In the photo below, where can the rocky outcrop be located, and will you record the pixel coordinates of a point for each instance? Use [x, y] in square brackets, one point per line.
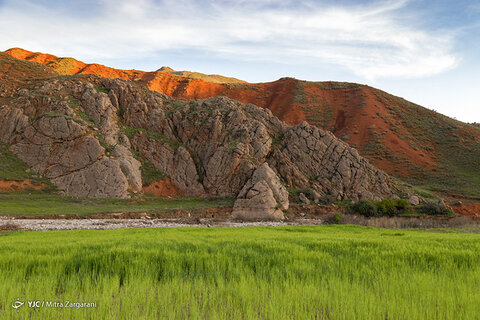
[59, 148]
[228, 141]
[51, 137]
[308, 156]
[262, 197]
[90, 136]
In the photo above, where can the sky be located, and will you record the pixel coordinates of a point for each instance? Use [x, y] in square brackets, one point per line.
[425, 51]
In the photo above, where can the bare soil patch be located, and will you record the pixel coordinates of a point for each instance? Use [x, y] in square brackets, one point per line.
[12, 186]
[162, 188]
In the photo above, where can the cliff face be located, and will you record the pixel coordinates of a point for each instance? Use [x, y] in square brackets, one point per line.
[96, 137]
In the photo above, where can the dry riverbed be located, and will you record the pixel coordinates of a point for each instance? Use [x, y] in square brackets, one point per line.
[36, 224]
[222, 217]
[8, 223]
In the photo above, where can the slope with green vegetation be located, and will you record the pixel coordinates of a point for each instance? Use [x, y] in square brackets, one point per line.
[416, 144]
[456, 146]
[12, 168]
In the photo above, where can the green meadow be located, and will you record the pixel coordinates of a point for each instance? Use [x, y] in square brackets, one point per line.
[301, 272]
[39, 203]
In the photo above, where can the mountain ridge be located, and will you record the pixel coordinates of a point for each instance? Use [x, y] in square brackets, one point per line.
[92, 136]
[404, 139]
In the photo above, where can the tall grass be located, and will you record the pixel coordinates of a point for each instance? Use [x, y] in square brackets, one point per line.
[306, 272]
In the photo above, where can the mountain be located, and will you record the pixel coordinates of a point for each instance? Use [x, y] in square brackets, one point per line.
[102, 137]
[71, 66]
[212, 78]
[413, 143]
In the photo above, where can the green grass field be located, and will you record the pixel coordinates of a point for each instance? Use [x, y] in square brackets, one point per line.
[52, 204]
[304, 272]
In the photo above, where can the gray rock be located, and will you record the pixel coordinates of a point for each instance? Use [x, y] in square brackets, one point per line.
[317, 159]
[102, 179]
[130, 167]
[414, 200]
[262, 197]
[303, 199]
[58, 144]
[316, 196]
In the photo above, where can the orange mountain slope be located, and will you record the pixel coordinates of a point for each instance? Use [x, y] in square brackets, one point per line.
[402, 138]
[71, 66]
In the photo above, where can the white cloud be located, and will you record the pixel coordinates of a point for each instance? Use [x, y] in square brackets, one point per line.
[372, 41]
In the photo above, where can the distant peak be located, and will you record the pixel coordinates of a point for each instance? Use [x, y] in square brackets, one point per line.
[17, 50]
[166, 69]
[18, 53]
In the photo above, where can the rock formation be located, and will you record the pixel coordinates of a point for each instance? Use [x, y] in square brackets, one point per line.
[397, 136]
[262, 197]
[91, 136]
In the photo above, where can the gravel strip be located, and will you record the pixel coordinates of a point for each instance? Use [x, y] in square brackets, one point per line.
[103, 224]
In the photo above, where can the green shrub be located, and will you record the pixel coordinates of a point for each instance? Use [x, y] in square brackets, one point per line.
[434, 209]
[402, 204]
[365, 208]
[337, 218]
[386, 207]
[394, 207]
[391, 207]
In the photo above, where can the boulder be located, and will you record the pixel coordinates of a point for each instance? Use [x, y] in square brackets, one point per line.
[262, 197]
[414, 200]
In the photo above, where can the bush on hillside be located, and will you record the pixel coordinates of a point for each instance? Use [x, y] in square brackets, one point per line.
[336, 218]
[394, 207]
[365, 208]
[434, 209]
[386, 207]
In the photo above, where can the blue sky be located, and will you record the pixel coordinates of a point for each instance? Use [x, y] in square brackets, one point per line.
[425, 51]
